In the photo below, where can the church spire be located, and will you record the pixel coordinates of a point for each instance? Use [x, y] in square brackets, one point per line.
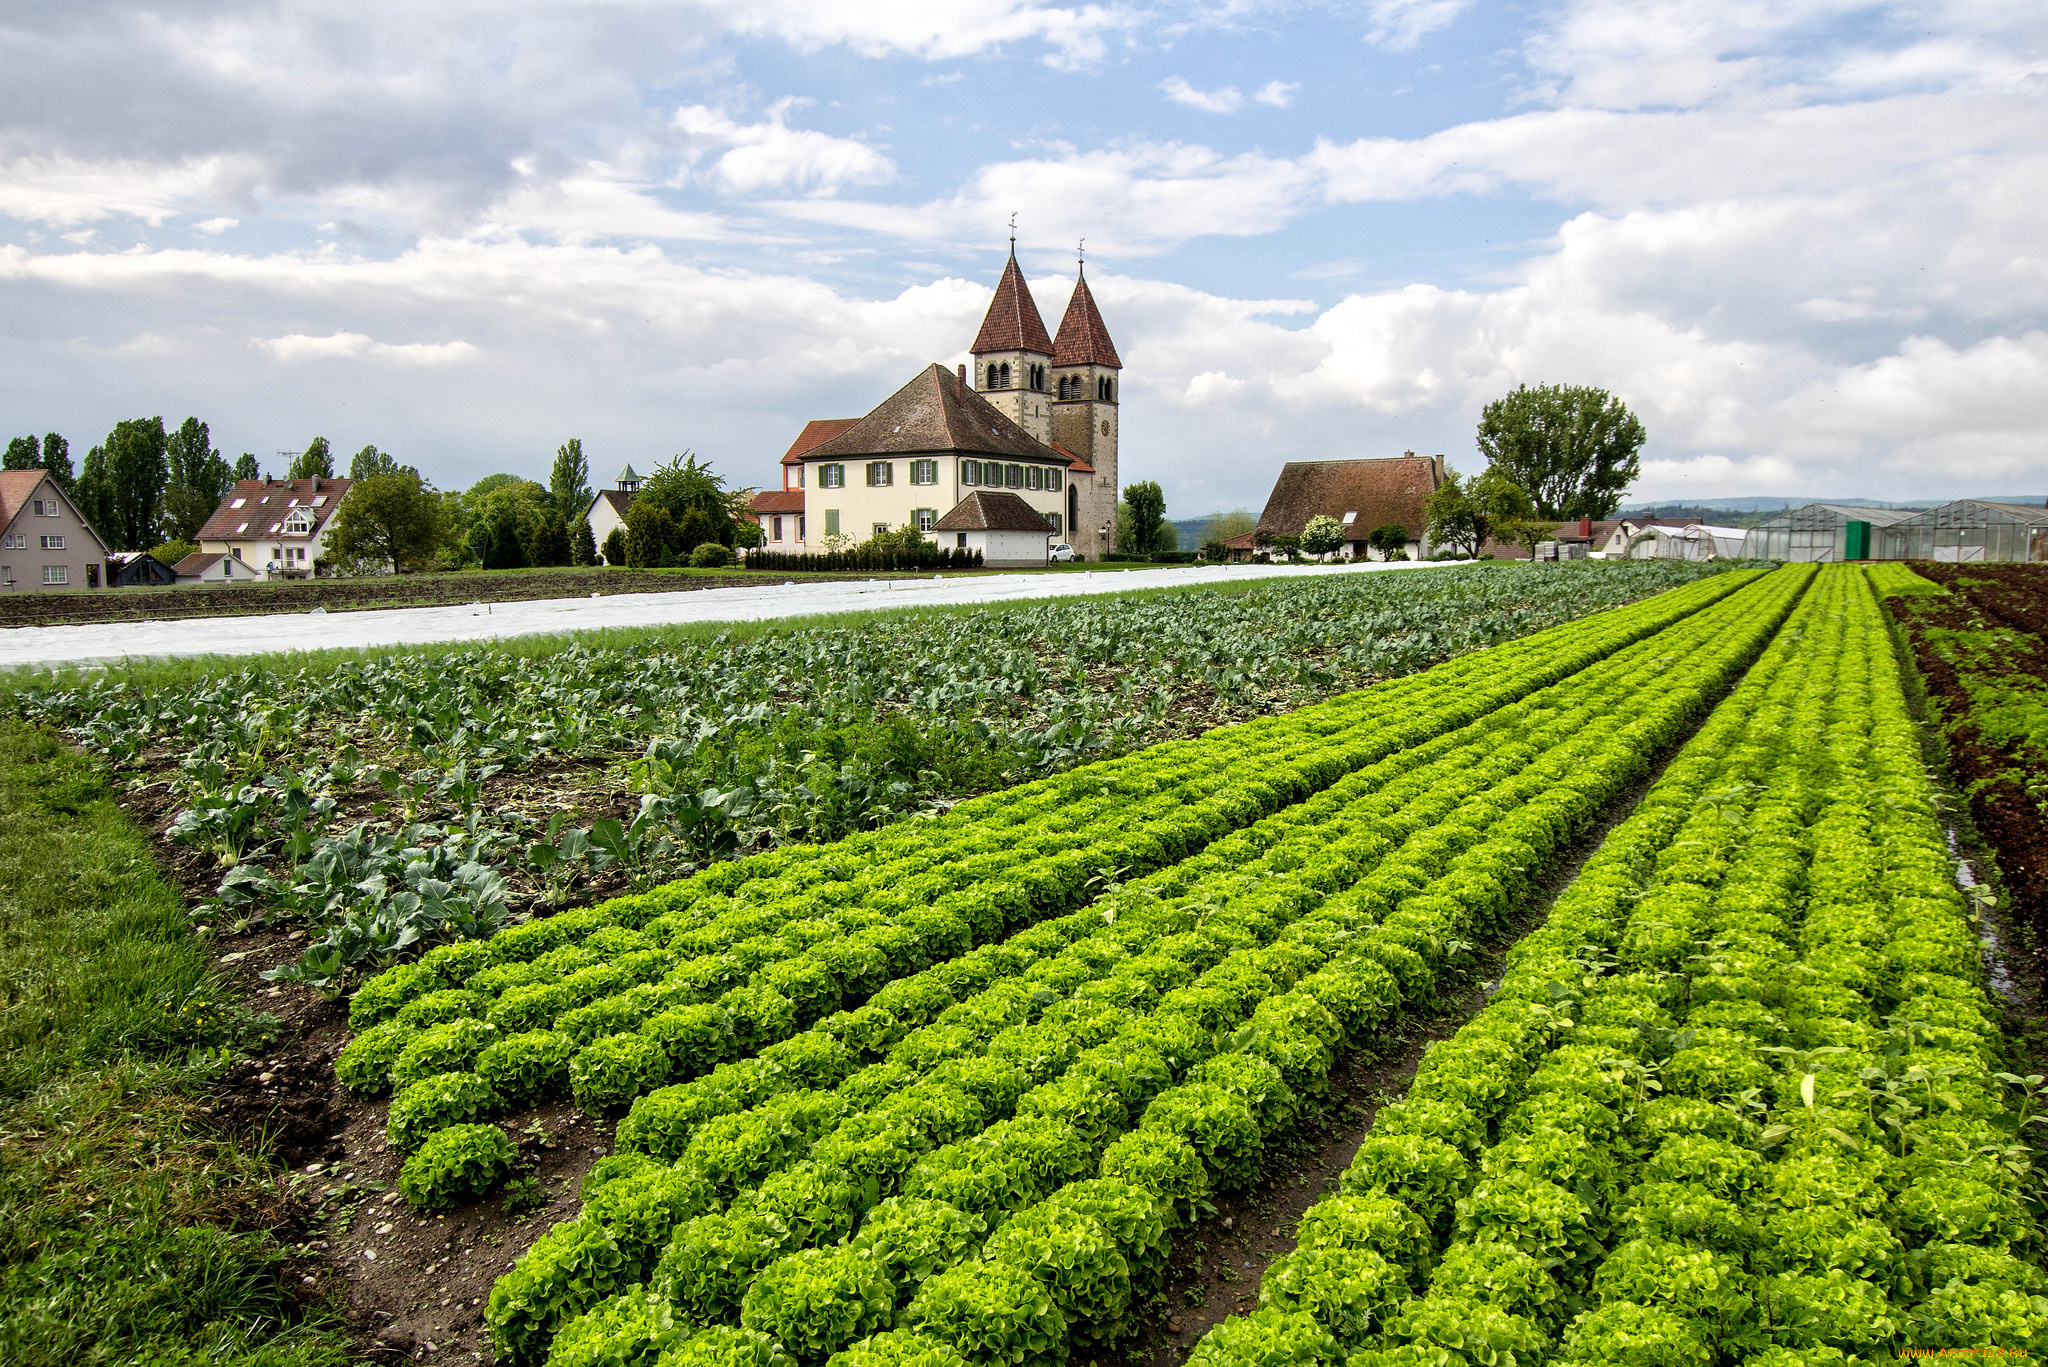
[1012, 323]
[1084, 339]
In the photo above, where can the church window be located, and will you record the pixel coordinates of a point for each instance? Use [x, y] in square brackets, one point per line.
[881, 474]
[1013, 476]
[924, 472]
[1103, 389]
[970, 472]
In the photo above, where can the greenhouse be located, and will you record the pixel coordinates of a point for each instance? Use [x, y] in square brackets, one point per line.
[1968, 530]
[1820, 531]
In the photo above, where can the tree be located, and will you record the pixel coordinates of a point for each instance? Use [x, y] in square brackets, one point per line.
[1147, 502]
[696, 528]
[1573, 448]
[651, 535]
[391, 518]
[137, 468]
[582, 543]
[1453, 522]
[22, 454]
[1322, 535]
[684, 484]
[95, 495]
[569, 481]
[1222, 526]
[615, 552]
[548, 541]
[171, 552]
[316, 461]
[1388, 539]
[501, 513]
[199, 479]
[370, 461]
[246, 466]
[57, 460]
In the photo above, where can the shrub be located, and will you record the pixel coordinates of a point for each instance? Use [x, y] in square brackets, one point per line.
[710, 556]
[569, 1270]
[528, 1069]
[458, 1164]
[819, 1300]
[435, 1103]
[364, 1064]
[990, 1313]
[614, 1070]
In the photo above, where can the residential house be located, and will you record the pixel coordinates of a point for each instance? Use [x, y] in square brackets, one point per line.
[214, 567]
[1363, 495]
[277, 528]
[45, 542]
[780, 513]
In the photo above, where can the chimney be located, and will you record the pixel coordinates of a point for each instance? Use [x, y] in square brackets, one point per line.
[1438, 462]
[961, 370]
[316, 485]
[1585, 526]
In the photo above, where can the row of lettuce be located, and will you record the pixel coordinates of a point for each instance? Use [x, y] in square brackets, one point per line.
[992, 1177]
[1737, 1101]
[763, 958]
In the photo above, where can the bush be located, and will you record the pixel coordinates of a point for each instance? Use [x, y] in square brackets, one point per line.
[437, 1102]
[614, 1070]
[458, 1164]
[614, 551]
[818, 1301]
[710, 556]
[528, 1069]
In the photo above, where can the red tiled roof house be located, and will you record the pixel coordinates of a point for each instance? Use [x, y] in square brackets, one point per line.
[276, 528]
[45, 542]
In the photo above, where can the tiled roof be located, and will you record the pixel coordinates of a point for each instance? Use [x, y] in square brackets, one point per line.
[197, 563]
[935, 412]
[1377, 492]
[265, 503]
[777, 501]
[16, 488]
[1074, 462]
[619, 499]
[985, 512]
[1012, 322]
[1083, 339]
[816, 432]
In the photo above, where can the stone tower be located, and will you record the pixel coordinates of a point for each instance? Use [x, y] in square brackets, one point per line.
[1087, 380]
[1013, 355]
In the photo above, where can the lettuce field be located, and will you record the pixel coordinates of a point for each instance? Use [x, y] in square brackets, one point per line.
[940, 1043]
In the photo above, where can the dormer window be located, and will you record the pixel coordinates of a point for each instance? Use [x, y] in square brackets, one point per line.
[299, 523]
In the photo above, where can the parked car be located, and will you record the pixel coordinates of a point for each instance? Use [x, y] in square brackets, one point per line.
[1058, 553]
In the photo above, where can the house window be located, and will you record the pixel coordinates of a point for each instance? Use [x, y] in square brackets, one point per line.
[241, 527]
[925, 518]
[299, 523]
[881, 473]
[1058, 523]
[924, 472]
[831, 476]
[1033, 477]
[7, 541]
[238, 552]
[6, 574]
[238, 503]
[799, 527]
[778, 527]
[970, 472]
[53, 543]
[1053, 480]
[1350, 518]
[960, 540]
[831, 522]
[1013, 476]
[56, 574]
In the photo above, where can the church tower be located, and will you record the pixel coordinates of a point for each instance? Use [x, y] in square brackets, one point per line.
[1087, 380]
[1013, 355]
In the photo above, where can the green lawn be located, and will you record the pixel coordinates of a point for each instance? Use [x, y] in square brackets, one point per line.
[129, 1232]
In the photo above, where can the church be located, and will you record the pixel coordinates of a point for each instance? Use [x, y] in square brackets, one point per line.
[1018, 455]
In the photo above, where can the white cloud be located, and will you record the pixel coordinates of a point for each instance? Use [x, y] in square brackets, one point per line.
[1224, 101]
[1278, 94]
[213, 227]
[64, 191]
[298, 346]
[773, 156]
[1399, 25]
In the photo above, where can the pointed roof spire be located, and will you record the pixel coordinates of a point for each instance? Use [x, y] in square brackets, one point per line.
[1012, 323]
[1083, 339]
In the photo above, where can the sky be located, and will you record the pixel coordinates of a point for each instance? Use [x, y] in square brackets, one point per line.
[1806, 241]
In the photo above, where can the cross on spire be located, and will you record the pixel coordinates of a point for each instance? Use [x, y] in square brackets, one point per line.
[1081, 254]
[1013, 232]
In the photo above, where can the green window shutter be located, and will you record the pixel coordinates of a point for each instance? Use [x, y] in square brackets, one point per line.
[831, 522]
